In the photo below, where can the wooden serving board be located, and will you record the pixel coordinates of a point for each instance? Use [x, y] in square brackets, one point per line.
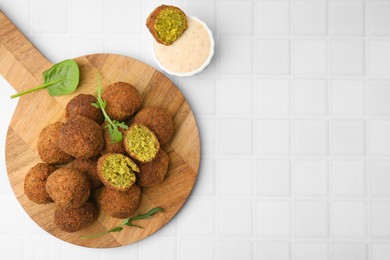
[22, 65]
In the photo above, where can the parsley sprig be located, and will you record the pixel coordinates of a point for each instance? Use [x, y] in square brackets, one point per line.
[127, 222]
[112, 125]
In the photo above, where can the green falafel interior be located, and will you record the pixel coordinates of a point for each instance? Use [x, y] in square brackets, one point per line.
[141, 143]
[119, 171]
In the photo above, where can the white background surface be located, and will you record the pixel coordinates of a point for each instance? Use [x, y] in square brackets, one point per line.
[294, 116]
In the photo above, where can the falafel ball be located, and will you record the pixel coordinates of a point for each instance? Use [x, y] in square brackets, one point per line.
[69, 188]
[88, 167]
[35, 183]
[117, 171]
[75, 219]
[48, 148]
[81, 137]
[153, 173]
[158, 120]
[122, 99]
[81, 105]
[109, 145]
[119, 204]
[141, 143]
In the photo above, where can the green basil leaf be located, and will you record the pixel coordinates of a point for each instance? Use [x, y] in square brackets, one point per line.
[64, 78]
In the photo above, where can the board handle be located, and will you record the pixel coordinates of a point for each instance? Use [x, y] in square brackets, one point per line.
[20, 61]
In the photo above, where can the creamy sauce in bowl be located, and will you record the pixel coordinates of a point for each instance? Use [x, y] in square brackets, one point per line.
[189, 54]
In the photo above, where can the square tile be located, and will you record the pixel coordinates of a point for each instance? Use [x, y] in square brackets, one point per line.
[234, 249]
[85, 45]
[272, 17]
[228, 61]
[349, 251]
[347, 57]
[380, 251]
[123, 16]
[94, 24]
[346, 18]
[54, 47]
[228, 169]
[205, 10]
[18, 216]
[273, 57]
[200, 93]
[379, 137]
[380, 178]
[192, 223]
[348, 219]
[379, 97]
[229, 211]
[157, 249]
[125, 46]
[348, 97]
[41, 248]
[310, 251]
[205, 183]
[309, 57]
[272, 96]
[43, 18]
[311, 219]
[311, 137]
[196, 249]
[272, 177]
[348, 137]
[228, 91]
[8, 244]
[273, 218]
[310, 97]
[311, 177]
[273, 137]
[379, 57]
[309, 17]
[380, 214]
[207, 128]
[272, 250]
[348, 178]
[20, 12]
[378, 19]
[229, 26]
[235, 136]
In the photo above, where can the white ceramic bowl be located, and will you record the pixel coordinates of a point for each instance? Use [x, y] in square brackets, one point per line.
[202, 67]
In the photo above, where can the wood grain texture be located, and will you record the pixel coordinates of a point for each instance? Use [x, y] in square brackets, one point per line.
[21, 64]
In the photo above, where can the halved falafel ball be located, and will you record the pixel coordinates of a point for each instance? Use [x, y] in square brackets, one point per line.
[117, 171]
[69, 188]
[119, 204]
[75, 219]
[88, 167]
[122, 99]
[81, 105]
[109, 145]
[35, 183]
[153, 173]
[81, 137]
[141, 143]
[48, 148]
[158, 120]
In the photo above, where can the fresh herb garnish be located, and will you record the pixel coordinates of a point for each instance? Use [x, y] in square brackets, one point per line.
[112, 125]
[61, 79]
[127, 222]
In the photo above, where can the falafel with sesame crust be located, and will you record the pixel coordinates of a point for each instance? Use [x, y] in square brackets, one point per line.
[141, 143]
[81, 105]
[35, 183]
[122, 100]
[119, 204]
[81, 137]
[74, 219]
[69, 188]
[117, 171]
[48, 147]
[158, 120]
[153, 173]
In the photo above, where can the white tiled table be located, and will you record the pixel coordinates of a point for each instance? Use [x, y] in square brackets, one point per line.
[294, 116]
